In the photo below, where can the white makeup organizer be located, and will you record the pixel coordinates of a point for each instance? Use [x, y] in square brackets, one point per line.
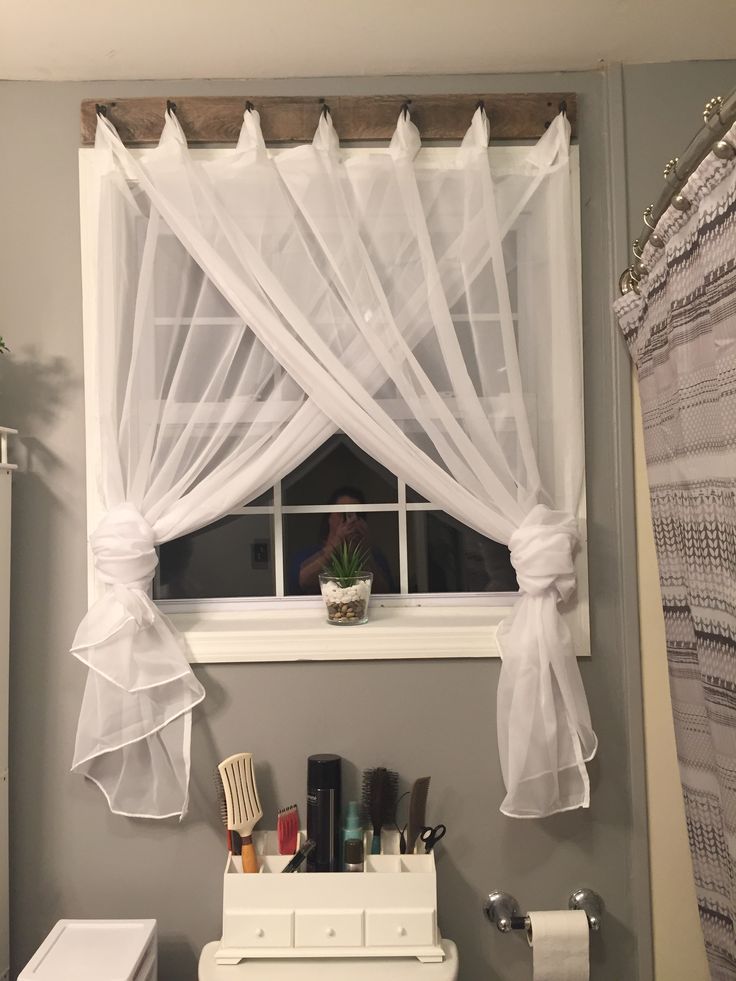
[389, 910]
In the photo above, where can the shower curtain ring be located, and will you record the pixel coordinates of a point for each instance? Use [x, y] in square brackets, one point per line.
[724, 150]
[670, 172]
[654, 239]
[712, 111]
[624, 282]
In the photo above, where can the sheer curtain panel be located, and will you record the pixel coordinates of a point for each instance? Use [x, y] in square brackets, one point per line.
[256, 303]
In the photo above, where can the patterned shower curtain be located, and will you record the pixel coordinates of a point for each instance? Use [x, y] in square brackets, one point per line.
[681, 333]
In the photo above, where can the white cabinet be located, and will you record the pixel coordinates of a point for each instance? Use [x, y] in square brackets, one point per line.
[5, 482]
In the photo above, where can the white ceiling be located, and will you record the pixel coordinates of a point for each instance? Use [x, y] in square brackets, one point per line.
[127, 39]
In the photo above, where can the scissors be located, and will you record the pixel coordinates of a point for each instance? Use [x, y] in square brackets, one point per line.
[430, 836]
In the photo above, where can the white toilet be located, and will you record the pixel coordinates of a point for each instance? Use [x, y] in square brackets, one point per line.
[324, 969]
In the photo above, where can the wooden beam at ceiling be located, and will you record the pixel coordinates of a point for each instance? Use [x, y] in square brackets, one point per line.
[293, 119]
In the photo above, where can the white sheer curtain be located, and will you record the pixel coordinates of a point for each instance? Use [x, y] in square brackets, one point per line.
[195, 417]
[375, 295]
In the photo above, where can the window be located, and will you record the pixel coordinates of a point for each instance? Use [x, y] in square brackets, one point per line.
[234, 588]
[268, 547]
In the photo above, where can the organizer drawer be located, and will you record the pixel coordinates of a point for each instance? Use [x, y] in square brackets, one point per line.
[399, 927]
[329, 928]
[258, 928]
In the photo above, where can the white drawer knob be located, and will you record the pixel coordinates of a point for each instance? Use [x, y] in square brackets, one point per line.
[260, 932]
[402, 931]
[330, 931]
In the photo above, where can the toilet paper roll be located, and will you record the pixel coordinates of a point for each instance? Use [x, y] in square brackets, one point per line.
[559, 940]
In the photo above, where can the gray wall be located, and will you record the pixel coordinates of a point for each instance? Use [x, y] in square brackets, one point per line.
[663, 110]
[70, 857]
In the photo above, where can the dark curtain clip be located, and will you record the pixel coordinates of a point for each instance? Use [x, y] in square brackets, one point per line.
[325, 110]
[405, 109]
[249, 107]
[563, 107]
[171, 107]
[101, 109]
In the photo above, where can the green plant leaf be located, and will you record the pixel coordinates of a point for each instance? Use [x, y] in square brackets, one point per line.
[347, 561]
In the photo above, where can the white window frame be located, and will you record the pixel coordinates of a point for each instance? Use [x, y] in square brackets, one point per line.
[413, 626]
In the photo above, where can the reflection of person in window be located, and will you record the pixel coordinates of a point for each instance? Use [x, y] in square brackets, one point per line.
[175, 579]
[339, 527]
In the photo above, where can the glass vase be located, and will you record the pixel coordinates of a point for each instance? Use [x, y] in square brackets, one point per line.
[346, 598]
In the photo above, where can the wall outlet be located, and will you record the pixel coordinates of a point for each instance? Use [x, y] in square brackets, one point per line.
[260, 554]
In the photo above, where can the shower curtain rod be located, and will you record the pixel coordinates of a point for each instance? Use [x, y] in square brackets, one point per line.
[718, 117]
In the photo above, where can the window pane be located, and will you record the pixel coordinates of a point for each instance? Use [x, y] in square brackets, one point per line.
[414, 497]
[265, 500]
[336, 466]
[446, 557]
[232, 557]
[304, 538]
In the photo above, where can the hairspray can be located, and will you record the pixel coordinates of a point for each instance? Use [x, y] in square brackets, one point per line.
[324, 787]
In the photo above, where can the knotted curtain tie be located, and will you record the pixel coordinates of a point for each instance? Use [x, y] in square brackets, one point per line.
[542, 552]
[123, 547]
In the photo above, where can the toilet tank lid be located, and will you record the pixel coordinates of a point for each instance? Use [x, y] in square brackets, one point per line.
[91, 950]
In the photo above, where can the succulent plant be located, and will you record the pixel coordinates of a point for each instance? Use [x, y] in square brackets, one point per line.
[347, 561]
[3, 346]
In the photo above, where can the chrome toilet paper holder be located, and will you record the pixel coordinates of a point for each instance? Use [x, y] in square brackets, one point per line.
[502, 909]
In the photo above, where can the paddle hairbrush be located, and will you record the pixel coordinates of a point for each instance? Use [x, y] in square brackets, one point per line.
[243, 804]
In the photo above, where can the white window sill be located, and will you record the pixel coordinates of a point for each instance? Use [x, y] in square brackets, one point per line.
[230, 637]
[304, 635]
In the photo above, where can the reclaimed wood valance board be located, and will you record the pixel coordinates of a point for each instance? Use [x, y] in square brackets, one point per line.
[293, 119]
